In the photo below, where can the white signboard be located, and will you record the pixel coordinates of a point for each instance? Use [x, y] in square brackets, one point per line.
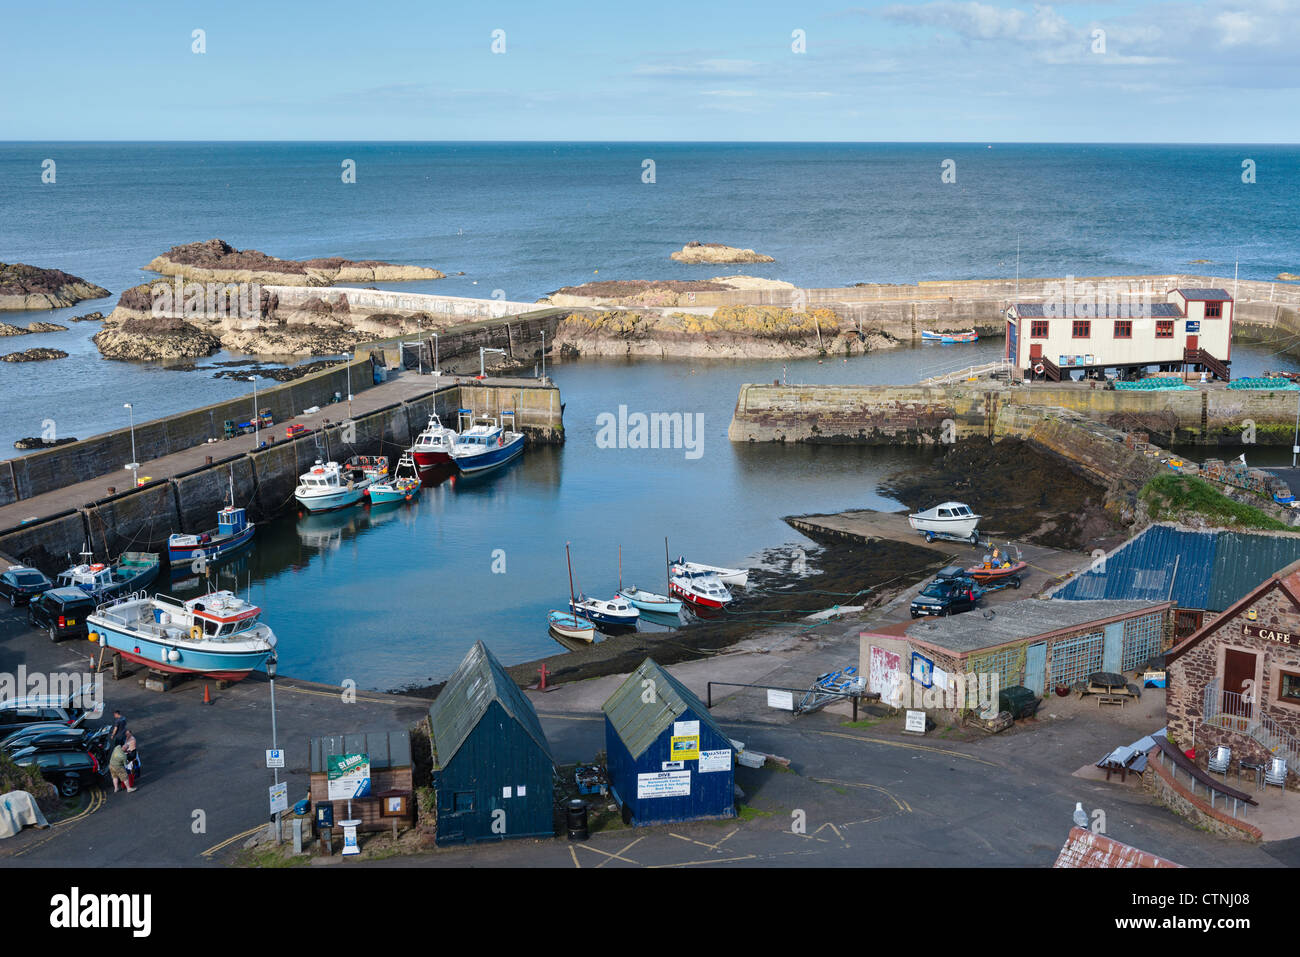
[350, 846]
[673, 766]
[780, 699]
[915, 722]
[274, 758]
[940, 678]
[663, 784]
[685, 729]
[715, 760]
[280, 797]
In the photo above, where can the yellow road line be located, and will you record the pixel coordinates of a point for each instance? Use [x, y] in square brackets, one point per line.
[339, 694]
[615, 856]
[901, 804]
[908, 746]
[94, 804]
[230, 840]
[574, 854]
[719, 860]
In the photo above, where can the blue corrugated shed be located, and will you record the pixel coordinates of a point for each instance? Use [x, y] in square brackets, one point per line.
[668, 760]
[1204, 570]
[1160, 564]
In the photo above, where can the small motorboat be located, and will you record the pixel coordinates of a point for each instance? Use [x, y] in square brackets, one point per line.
[433, 445]
[574, 627]
[132, 572]
[485, 445]
[616, 612]
[328, 486]
[728, 576]
[1003, 563]
[949, 520]
[649, 601]
[698, 588]
[949, 338]
[232, 533]
[403, 486]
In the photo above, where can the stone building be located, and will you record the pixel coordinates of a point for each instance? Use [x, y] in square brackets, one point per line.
[1236, 680]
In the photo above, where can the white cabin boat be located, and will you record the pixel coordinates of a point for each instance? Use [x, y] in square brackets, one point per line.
[949, 520]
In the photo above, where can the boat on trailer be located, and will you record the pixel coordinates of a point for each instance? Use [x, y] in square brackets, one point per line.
[949, 520]
[218, 635]
[1003, 564]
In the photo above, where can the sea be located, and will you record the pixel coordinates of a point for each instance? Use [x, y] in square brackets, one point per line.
[390, 598]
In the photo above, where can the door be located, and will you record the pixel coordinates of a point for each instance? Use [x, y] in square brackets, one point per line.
[1192, 342]
[1238, 669]
[1112, 647]
[1036, 668]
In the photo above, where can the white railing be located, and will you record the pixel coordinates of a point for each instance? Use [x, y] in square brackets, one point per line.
[1234, 712]
[960, 372]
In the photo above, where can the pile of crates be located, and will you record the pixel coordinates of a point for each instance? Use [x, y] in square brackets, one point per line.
[1253, 480]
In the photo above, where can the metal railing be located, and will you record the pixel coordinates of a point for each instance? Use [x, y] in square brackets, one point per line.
[1233, 711]
[966, 371]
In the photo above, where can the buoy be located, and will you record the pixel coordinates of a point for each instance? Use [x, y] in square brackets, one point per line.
[196, 633]
[93, 636]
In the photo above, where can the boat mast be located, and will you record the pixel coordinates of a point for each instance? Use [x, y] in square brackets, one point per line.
[620, 568]
[668, 568]
[569, 561]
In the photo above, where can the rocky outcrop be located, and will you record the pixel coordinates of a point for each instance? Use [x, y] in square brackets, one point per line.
[30, 287]
[654, 292]
[696, 252]
[34, 355]
[36, 442]
[218, 261]
[732, 332]
[149, 338]
[89, 317]
[7, 330]
[1288, 277]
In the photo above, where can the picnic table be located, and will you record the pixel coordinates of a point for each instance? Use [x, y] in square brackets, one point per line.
[1108, 684]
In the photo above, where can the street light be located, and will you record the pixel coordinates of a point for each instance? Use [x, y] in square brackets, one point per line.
[1295, 443]
[543, 355]
[133, 465]
[270, 673]
[253, 379]
[348, 357]
[482, 350]
[435, 355]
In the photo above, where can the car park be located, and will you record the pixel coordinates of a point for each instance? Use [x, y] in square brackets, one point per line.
[68, 770]
[62, 613]
[20, 584]
[69, 710]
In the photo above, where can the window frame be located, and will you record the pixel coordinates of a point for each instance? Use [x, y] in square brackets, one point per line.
[1218, 310]
[1077, 325]
[1167, 325]
[1127, 326]
[1038, 329]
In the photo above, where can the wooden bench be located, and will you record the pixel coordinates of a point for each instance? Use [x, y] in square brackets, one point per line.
[1110, 699]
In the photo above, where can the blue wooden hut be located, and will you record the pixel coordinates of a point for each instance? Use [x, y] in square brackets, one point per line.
[493, 772]
[667, 758]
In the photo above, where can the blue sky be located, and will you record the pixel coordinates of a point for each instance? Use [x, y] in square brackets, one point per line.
[1210, 71]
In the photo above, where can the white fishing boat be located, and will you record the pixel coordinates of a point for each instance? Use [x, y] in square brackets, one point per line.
[329, 485]
[948, 520]
[699, 588]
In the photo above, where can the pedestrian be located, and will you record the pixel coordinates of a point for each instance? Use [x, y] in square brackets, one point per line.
[119, 728]
[132, 760]
[117, 769]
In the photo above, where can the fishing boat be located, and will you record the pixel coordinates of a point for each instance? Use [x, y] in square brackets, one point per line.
[728, 576]
[376, 466]
[949, 337]
[567, 624]
[485, 445]
[232, 533]
[403, 486]
[616, 612]
[698, 588]
[216, 636]
[131, 572]
[949, 520]
[433, 445]
[645, 600]
[328, 486]
[1003, 563]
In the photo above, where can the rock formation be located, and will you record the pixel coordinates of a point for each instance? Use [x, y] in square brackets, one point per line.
[697, 252]
[146, 338]
[34, 355]
[9, 330]
[30, 287]
[655, 292]
[218, 261]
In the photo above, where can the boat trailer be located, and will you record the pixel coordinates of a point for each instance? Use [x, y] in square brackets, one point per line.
[832, 686]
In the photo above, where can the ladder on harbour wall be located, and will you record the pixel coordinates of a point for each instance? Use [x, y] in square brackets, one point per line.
[1227, 710]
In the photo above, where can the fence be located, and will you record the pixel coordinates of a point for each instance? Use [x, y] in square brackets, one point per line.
[1233, 711]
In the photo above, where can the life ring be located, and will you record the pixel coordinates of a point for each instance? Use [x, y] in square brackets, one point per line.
[196, 633]
[1038, 369]
[96, 568]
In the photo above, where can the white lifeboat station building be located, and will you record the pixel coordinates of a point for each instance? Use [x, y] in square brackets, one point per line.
[1190, 331]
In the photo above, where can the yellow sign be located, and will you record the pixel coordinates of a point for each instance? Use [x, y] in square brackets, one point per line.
[686, 747]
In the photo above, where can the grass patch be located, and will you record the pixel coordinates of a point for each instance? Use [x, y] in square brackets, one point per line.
[272, 856]
[749, 813]
[864, 723]
[1178, 497]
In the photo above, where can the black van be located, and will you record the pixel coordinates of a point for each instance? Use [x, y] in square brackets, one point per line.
[62, 613]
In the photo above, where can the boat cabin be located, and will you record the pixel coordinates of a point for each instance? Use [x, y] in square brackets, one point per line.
[231, 521]
[87, 577]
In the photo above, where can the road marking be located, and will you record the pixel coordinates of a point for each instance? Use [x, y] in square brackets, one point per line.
[94, 804]
[719, 860]
[899, 802]
[392, 699]
[574, 854]
[230, 840]
[906, 745]
[692, 840]
[616, 856]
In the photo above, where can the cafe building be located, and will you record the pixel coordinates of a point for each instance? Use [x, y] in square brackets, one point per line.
[1235, 682]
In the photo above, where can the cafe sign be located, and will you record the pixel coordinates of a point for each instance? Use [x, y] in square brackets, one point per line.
[1268, 634]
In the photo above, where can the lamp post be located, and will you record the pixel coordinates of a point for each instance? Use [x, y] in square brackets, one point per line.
[483, 350]
[253, 379]
[543, 355]
[133, 465]
[348, 356]
[435, 355]
[270, 674]
[1295, 443]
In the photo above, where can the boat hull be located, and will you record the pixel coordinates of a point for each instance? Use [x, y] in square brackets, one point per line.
[697, 601]
[428, 460]
[604, 618]
[490, 459]
[961, 527]
[156, 655]
[334, 500]
[572, 627]
[982, 574]
[647, 601]
[213, 549]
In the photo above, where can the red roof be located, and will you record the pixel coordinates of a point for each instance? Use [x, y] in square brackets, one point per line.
[1083, 849]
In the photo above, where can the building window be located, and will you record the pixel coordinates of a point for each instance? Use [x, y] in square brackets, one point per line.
[1123, 328]
[1143, 640]
[1082, 329]
[1214, 310]
[1289, 687]
[462, 801]
[1038, 329]
[1074, 659]
[1164, 328]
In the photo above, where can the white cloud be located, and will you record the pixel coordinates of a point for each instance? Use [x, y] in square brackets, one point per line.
[711, 67]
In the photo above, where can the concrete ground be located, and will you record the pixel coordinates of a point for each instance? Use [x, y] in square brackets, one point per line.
[867, 793]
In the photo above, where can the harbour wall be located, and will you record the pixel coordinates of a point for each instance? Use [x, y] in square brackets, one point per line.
[377, 300]
[887, 415]
[264, 479]
[521, 337]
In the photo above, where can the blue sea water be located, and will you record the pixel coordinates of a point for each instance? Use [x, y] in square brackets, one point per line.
[529, 218]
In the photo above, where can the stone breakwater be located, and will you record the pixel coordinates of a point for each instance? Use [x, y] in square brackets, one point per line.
[217, 261]
[31, 287]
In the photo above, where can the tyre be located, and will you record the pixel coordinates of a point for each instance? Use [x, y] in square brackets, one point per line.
[929, 536]
[70, 786]
[974, 538]
[54, 633]
[1015, 583]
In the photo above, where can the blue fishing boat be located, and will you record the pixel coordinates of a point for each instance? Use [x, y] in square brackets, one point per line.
[949, 338]
[216, 636]
[131, 572]
[232, 533]
[485, 445]
[573, 627]
[403, 486]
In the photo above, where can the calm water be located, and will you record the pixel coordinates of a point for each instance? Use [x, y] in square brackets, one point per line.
[388, 598]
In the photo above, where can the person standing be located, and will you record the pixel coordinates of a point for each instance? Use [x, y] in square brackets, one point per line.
[117, 769]
[132, 760]
[119, 729]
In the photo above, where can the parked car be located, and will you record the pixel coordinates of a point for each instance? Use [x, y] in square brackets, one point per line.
[68, 770]
[47, 739]
[27, 734]
[62, 613]
[21, 584]
[1019, 700]
[69, 710]
[946, 596]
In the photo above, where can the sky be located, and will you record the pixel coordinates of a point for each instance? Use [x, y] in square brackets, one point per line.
[1182, 71]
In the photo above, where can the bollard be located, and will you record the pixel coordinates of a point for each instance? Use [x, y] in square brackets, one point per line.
[207, 460]
[297, 835]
